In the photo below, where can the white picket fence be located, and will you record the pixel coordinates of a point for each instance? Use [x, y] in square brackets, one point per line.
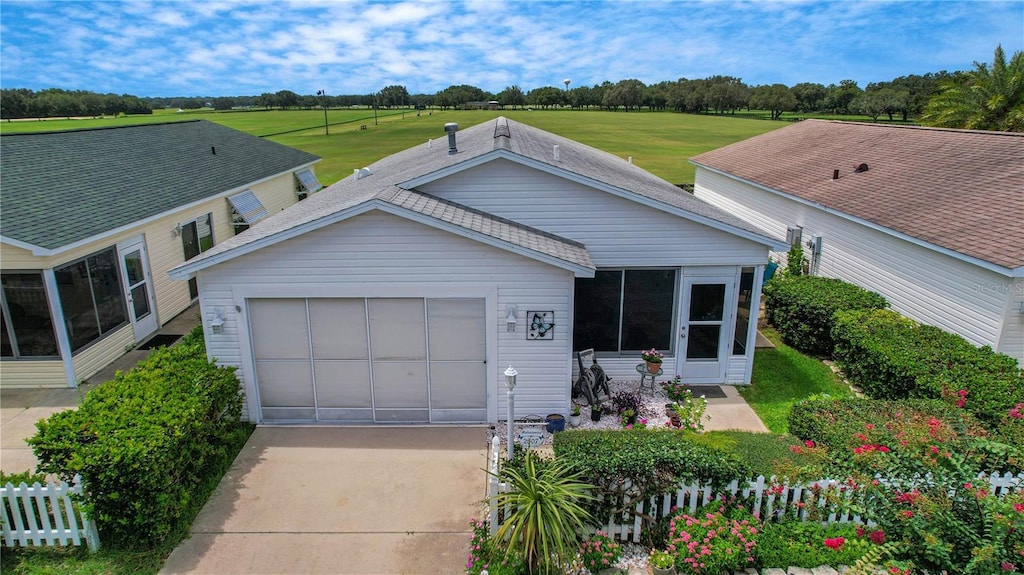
[769, 500]
[38, 515]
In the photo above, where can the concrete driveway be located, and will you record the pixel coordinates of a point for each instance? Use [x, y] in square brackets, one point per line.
[342, 500]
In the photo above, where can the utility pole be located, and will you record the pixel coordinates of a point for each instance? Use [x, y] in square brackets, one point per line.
[323, 104]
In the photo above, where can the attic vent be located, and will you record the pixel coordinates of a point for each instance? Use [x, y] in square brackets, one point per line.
[835, 174]
[860, 168]
[451, 128]
[361, 173]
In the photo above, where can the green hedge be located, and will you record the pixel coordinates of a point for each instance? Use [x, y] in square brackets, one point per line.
[832, 422]
[802, 544]
[645, 456]
[892, 357]
[150, 444]
[801, 309]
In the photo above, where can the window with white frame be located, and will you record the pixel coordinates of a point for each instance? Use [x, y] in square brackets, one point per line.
[625, 311]
[91, 297]
[196, 238]
[26, 327]
[306, 183]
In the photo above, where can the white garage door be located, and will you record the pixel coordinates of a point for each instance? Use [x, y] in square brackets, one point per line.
[383, 360]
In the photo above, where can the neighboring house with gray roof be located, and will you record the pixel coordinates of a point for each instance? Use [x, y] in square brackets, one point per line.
[91, 220]
[931, 218]
[403, 292]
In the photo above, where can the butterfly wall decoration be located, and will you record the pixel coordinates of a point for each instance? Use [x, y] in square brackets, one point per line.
[542, 325]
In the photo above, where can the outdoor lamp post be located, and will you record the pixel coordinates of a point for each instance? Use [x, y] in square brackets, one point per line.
[510, 383]
[323, 104]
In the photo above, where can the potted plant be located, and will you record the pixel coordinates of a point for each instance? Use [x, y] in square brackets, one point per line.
[556, 423]
[653, 358]
[574, 416]
[595, 412]
[662, 563]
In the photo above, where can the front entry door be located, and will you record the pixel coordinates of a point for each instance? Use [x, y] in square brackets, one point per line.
[705, 329]
[138, 285]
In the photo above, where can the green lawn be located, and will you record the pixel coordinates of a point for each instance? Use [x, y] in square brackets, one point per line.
[660, 142]
[782, 376]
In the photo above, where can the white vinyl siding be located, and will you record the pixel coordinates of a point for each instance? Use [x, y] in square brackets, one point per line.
[616, 231]
[380, 255]
[1011, 341]
[922, 284]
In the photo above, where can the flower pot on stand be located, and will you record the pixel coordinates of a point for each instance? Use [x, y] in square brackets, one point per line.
[556, 423]
[653, 367]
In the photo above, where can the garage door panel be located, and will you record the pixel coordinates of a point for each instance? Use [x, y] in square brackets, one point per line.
[402, 416]
[456, 329]
[457, 385]
[345, 414]
[338, 326]
[300, 415]
[397, 329]
[342, 383]
[400, 384]
[279, 328]
[458, 415]
[285, 383]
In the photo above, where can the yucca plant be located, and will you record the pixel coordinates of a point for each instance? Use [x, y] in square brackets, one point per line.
[545, 520]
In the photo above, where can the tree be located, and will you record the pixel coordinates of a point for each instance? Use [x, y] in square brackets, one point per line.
[626, 94]
[512, 96]
[877, 101]
[810, 97]
[839, 97]
[778, 98]
[393, 96]
[545, 96]
[287, 99]
[726, 94]
[985, 99]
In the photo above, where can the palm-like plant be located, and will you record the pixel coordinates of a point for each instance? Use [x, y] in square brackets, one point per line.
[545, 521]
[982, 99]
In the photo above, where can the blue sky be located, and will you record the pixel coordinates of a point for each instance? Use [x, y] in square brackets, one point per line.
[221, 48]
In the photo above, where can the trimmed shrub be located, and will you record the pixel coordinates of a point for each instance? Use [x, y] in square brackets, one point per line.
[150, 444]
[801, 309]
[803, 544]
[892, 357]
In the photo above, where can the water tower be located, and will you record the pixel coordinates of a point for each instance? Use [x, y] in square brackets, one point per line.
[566, 82]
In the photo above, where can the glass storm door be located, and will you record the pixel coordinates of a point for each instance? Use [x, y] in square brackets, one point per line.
[138, 285]
[705, 329]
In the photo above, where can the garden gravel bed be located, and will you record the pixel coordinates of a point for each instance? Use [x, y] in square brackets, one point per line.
[652, 408]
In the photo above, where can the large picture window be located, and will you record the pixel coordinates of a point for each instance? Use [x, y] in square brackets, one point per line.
[91, 297]
[26, 327]
[625, 311]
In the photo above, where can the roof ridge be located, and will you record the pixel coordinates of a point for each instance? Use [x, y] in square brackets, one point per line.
[100, 128]
[916, 127]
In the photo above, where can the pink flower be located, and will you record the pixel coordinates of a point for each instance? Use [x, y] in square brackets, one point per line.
[908, 514]
[1007, 566]
[1017, 412]
[877, 537]
[1018, 507]
[809, 443]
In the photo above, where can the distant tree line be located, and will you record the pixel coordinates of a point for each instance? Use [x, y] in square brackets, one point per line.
[24, 103]
[987, 97]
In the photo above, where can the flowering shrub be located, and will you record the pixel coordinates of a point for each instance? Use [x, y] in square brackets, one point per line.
[676, 390]
[690, 412]
[652, 355]
[600, 552]
[718, 537]
[918, 480]
[485, 556]
[809, 544]
[628, 400]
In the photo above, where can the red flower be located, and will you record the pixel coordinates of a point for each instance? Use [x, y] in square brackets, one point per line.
[908, 514]
[1018, 507]
[835, 543]
[877, 537]
[809, 443]
[860, 531]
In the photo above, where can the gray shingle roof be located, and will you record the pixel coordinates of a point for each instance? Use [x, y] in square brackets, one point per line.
[392, 180]
[58, 188]
[958, 189]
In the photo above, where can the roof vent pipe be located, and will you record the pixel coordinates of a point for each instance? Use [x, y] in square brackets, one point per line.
[630, 159]
[556, 152]
[430, 143]
[835, 174]
[213, 150]
[451, 128]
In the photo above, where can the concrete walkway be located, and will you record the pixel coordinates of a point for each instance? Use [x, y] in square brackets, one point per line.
[21, 408]
[342, 500]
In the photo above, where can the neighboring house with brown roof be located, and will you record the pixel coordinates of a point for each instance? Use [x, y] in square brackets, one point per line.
[403, 292]
[91, 221]
[931, 218]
